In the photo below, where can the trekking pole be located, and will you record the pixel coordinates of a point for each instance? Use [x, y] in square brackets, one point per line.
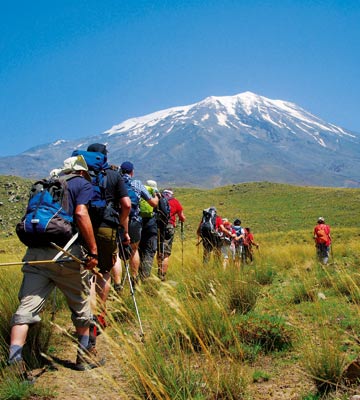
[78, 260]
[37, 262]
[58, 255]
[132, 292]
[182, 243]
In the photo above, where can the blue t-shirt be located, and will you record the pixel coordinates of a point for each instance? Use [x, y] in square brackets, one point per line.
[79, 192]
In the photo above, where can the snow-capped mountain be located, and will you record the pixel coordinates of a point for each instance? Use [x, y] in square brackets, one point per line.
[218, 141]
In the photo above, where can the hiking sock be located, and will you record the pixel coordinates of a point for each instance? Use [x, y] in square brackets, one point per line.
[15, 353]
[83, 342]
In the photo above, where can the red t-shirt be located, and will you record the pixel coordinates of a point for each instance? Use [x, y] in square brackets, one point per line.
[175, 209]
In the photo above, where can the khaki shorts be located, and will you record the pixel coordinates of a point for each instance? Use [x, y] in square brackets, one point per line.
[39, 281]
[166, 239]
[107, 248]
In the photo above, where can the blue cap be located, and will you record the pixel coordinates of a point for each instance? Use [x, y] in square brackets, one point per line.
[127, 166]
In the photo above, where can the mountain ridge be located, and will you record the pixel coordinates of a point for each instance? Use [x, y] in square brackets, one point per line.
[217, 141]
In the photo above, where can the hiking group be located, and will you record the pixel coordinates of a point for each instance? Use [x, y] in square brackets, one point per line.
[88, 218]
[229, 242]
[78, 226]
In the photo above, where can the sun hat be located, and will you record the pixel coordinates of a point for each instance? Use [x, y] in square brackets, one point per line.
[76, 163]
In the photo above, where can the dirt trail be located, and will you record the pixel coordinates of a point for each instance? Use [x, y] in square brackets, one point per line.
[109, 381]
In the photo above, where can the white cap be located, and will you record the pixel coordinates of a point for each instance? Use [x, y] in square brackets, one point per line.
[151, 183]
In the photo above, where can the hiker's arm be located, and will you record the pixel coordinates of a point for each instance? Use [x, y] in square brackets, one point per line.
[84, 225]
[153, 201]
[181, 216]
[125, 207]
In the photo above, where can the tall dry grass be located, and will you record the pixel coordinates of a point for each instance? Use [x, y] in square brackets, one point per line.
[206, 328]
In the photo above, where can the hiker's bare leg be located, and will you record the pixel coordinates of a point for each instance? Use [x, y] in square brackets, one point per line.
[116, 271]
[82, 330]
[165, 264]
[19, 334]
[102, 291]
[134, 259]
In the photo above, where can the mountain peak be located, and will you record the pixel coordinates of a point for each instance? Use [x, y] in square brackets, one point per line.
[240, 138]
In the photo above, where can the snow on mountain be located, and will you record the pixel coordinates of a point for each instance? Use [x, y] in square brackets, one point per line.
[221, 140]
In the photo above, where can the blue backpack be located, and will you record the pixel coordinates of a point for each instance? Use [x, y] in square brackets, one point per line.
[46, 219]
[97, 164]
[134, 195]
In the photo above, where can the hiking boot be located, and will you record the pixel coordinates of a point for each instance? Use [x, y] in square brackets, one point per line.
[118, 288]
[18, 368]
[161, 276]
[88, 359]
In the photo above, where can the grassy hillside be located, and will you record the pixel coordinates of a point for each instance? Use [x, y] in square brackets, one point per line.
[284, 327]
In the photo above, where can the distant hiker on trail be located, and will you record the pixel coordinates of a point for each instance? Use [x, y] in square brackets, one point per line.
[136, 191]
[249, 242]
[109, 212]
[166, 234]
[238, 243]
[149, 232]
[71, 277]
[322, 239]
[209, 230]
[226, 237]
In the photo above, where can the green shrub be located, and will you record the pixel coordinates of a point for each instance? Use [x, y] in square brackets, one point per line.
[270, 332]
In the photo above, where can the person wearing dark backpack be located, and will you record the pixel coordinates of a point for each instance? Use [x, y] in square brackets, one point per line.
[70, 277]
[110, 199]
[136, 191]
[210, 230]
[322, 239]
[166, 233]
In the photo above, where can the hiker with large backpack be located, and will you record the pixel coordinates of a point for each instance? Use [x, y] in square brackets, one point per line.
[109, 212]
[148, 241]
[136, 191]
[322, 239]
[210, 230]
[54, 205]
[166, 228]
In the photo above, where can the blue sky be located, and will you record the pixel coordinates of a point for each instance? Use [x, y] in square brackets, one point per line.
[70, 69]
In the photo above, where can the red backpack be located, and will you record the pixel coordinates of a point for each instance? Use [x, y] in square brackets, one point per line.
[321, 232]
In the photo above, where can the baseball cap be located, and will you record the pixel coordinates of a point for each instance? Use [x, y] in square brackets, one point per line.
[321, 219]
[127, 166]
[98, 148]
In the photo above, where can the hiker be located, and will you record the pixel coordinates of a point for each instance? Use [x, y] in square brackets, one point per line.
[226, 237]
[148, 241]
[249, 242]
[70, 277]
[322, 239]
[166, 234]
[136, 191]
[107, 233]
[238, 243]
[209, 230]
